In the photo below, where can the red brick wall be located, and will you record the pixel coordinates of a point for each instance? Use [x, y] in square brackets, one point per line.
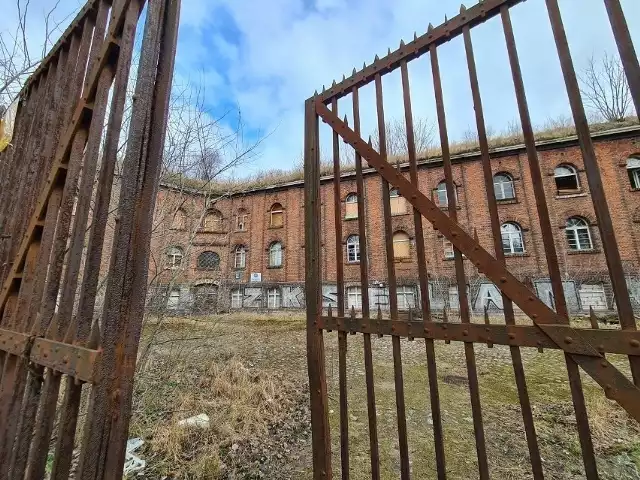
[472, 212]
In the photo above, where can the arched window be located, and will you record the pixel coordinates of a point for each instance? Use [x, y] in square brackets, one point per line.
[353, 248]
[503, 186]
[209, 261]
[566, 177]
[511, 238]
[633, 169]
[441, 194]
[179, 221]
[212, 221]
[241, 220]
[174, 257]
[351, 206]
[275, 254]
[401, 245]
[240, 255]
[277, 216]
[578, 234]
[398, 204]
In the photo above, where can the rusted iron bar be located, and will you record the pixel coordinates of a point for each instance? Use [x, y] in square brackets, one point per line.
[594, 179]
[321, 442]
[625, 48]
[392, 291]
[553, 266]
[615, 383]
[364, 288]
[85, 12]
[342, 336]
[463, 302]
[607, 340]
[475, 15]
[81, 119]
[77, 362]
[434, 395]
[516, 357]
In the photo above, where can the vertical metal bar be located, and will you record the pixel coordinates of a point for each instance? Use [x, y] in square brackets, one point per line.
[342, 336]
[315, 343]
[364, 288]
[85, 313]
[474, 392]
[424, 281]
[625, 48]
[605, 225]
[392, 289]
[575, 382]
[516, 357]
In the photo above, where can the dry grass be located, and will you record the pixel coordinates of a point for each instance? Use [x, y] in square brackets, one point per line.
[551, 130]
[249, 373]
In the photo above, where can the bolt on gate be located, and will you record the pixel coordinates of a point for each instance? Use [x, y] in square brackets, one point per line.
[550, 329]
[58, 345]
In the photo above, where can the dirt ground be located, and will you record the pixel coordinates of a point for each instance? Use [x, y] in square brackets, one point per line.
[248, 374]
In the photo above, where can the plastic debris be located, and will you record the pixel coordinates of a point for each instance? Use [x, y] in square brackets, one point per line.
[200, 421]
[133, 463]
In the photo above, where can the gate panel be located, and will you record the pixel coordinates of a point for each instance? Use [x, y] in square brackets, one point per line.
[550, 328]
[59, 175]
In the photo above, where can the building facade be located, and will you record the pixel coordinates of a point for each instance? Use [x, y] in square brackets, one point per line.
[246, 250]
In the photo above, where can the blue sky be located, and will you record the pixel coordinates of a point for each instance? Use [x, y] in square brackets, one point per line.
[264, 59]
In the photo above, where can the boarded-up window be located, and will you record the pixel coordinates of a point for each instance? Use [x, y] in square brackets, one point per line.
[593, 296]
[398, 204]
[401, 245]
[351, 206]
[179, 220]
[212, 221]
[277, 216]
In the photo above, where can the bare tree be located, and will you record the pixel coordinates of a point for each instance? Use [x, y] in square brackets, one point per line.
[396, 133]
[20, 54]
[605, 89]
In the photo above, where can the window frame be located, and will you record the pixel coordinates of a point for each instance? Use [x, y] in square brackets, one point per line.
[356, 292]
[237, 294]
[353, 246]
[171, 257]
[274, 293]
[216, 262]
[446, 194]
[395, 242]
[276, 209]
[633, 171]
[574, 174]
[404, 291]
[509, 180]
[241, 221]
[574, 231]
[510, 238]
[182, 215]
[240, 252]
[350, 200]
[276, 253]
[445, 244]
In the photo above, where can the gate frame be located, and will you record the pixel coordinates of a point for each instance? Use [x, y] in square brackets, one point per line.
[582, 347]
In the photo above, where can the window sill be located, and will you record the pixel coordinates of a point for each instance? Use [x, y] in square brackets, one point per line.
[212, 231]
[446, 207]
[275, 228]
[451, 259]
[634, 189]
[350, 218]
[516, 255]
[273, 267]
[353, 263]
[240, 231]
[576, 194]
[200, 269]
[583, 252]
[239, 269]
[399, 214]
[507, 201]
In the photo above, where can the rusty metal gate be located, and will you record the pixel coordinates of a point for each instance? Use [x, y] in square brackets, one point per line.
[59, 347]
[550, 328]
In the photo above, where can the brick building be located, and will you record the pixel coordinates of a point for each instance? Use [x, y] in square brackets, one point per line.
[246, 249]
